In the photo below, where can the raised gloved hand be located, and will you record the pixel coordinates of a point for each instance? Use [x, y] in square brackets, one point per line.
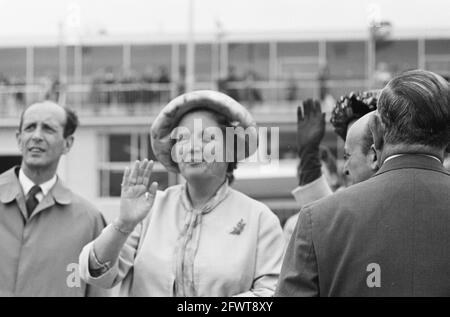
[310, 132]
[310, 125]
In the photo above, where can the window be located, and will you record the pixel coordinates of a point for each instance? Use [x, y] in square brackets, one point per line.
[250, 57]
[346, 60]
[70, 64]
[437, 56]
[437, 47]
[118, 150]
[203, 62]
[102, 61]
[152, 66]
[398, 56]
[13, 64]
[203, 68]
[151, 61]
[248, 73]
[12, 72]
[46, 63]
[298, 60]
[46, 74]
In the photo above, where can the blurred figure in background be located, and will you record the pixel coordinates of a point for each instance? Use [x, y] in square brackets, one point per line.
[163, 92]
[226, 85]
[382, 74]
[251, 94]
[147, 95]
[292, 88]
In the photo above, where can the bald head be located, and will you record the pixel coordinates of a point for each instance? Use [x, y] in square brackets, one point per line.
[360, 134]
[64, 114]
[45, 134]
[360, 159]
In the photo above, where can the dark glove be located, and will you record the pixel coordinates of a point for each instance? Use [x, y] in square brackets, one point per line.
[310, 132]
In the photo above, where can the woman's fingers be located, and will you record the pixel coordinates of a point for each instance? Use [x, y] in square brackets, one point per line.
[147, 174]
[151, 194]
[307, 108]
[317, 107]
[142, 167]
[125, 179]
[134, 173]
[138, 174]
[300, 116]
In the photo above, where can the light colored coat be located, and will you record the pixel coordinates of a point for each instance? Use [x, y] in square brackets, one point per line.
[39, 255]
[239, 251]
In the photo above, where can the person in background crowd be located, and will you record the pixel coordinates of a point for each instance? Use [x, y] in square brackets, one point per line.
[43, 224]
[387, 236]
[163, 92]
[201, 238]
[226, 85]
[252, 94]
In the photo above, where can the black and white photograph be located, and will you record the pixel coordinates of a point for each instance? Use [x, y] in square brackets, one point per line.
[233, 151]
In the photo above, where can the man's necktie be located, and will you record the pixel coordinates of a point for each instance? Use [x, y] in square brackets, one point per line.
[32, 201]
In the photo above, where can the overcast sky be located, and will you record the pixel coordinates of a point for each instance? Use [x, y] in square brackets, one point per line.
[41, 17]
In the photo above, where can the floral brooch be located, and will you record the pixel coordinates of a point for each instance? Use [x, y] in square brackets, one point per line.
[239, 227]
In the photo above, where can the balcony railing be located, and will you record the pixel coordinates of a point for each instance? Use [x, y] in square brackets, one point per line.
[136, 99]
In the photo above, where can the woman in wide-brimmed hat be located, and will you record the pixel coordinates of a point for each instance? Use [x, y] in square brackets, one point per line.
[201, 238]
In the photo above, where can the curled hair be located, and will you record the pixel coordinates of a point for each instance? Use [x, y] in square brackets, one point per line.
[352, 107]
[414, 109]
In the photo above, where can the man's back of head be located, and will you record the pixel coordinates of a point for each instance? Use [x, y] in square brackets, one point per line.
[414, 109]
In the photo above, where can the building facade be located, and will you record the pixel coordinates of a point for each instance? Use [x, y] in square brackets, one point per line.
[118, 84]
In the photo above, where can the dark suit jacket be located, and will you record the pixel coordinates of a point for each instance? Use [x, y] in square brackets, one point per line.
[387, 236]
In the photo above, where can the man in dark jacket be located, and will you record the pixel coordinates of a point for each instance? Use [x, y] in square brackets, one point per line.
[389, 235]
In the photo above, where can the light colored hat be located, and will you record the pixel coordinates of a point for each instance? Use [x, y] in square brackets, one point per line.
[171, 114]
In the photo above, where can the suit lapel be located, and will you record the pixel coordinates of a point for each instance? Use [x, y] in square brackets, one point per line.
[45, 203]
[20, 200]
[11, 190]
[59, 194]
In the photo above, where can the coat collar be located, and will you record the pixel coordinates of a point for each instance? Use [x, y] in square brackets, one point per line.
[10, 189]
[418, 161]
[221, 193]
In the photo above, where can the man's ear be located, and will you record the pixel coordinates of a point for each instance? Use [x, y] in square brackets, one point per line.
[68, 144]
[373, 158]
[18, 138]
[377, 131]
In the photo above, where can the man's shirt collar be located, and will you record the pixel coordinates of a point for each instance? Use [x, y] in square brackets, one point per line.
[26, 184]
[397, 155]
